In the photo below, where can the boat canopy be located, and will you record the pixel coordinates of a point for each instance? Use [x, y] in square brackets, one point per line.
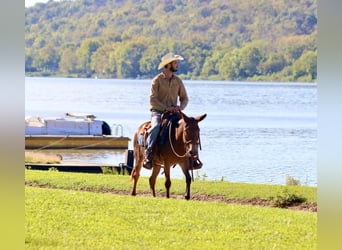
[74, 124]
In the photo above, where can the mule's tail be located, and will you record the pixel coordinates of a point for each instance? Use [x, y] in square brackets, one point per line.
[133, 173]
[138, 154]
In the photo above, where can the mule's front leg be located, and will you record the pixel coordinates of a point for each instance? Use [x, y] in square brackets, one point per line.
[167, 180]
[188, 184]
[153, 178]
[187, 180]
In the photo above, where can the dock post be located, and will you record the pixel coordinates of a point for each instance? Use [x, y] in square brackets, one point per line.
[129, 160]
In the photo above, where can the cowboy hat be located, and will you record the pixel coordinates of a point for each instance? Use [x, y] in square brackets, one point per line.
[169, 57]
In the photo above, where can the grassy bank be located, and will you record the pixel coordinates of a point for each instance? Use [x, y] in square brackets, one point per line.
[100, 182]
[66, 218]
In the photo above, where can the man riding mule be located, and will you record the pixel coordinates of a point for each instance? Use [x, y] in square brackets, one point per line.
[166, 89]
[179, 147]
[179, 138]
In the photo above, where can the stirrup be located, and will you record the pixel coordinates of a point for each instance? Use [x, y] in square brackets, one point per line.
[197, 164]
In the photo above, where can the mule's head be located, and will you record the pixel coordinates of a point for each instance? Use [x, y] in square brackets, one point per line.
[191, 134]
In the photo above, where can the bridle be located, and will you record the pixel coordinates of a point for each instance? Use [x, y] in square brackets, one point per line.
[186, 154]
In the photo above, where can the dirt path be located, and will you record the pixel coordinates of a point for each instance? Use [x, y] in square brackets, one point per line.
[308, 207]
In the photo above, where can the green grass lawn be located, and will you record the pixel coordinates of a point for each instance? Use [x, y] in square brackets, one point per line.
[100, 182]
[73, 219]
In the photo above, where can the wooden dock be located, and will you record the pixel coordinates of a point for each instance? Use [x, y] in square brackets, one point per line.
[83, 167]
[75, 142]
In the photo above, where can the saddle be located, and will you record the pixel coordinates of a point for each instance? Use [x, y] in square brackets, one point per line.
[143, 133]
[168, 119]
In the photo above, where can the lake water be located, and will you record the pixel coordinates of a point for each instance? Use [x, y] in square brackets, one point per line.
[254, 132]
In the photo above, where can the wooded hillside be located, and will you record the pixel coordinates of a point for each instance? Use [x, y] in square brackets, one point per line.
[223, 40]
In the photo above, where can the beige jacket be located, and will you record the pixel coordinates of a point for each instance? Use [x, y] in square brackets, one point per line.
[165, 93]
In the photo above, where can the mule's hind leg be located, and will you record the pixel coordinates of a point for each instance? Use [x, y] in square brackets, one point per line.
[135, 176]
[137, 167]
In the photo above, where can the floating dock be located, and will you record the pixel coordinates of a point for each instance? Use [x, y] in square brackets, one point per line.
[76, 142]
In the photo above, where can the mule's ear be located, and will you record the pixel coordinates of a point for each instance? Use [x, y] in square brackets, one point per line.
[184, 116]
[200, 118]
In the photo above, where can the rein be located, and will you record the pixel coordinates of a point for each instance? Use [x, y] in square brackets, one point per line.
[173, 149]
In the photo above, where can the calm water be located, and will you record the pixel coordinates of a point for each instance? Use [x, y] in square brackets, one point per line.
[254, 132]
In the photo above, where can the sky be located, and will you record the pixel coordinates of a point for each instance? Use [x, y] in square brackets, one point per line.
[30, 3]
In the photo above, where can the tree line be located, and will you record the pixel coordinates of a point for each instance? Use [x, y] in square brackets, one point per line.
[233, 40]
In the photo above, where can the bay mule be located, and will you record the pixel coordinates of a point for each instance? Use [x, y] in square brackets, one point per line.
[181, 147]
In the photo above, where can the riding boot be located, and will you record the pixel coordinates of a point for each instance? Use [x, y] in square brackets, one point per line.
[197, 164]
[148, 158]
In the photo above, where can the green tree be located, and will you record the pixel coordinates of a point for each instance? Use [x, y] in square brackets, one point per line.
[47, 59]
[100, 61]
[240, 63]
[148, 64]
[84, 53]
[306, 66]
[28, 61]
[210, 66]
[275, 62]
[127, 57]
[69, 61]
[217, 39]
[250, 58]
[229, 65]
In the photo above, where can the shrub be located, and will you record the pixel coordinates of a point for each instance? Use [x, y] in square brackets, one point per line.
[286, 200]
[290, 181]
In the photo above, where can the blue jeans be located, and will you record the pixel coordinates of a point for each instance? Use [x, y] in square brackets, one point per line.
[153, 131]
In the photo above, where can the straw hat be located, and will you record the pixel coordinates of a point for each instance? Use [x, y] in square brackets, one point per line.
[169, 57]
